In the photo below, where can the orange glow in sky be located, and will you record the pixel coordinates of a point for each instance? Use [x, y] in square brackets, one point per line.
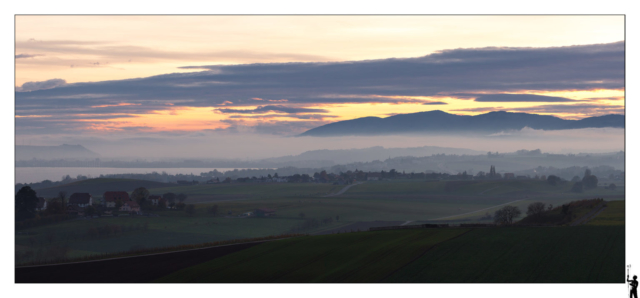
[101, 48]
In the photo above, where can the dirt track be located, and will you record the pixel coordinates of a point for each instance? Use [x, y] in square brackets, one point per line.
[343, 190]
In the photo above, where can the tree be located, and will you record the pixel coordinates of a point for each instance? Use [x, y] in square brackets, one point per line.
[26, 203]
[575, 179]
[213, 209]
[170, 197]
[535, 209]
[590, 182]
[577, 187]
[61, 196]
[337, 217]
[118, 204]
[587, 173]
[302, 215]
[181, 197]
[140, 195]
[506, 214]
[612, 186]
[553, 179]
[90, 210]
[550, 207]
[55, 207]
[190, 209]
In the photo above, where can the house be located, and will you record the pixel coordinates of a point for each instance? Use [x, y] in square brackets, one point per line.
[373, 177]
[509, 176]
[110, 198]
[155, 200]
[130, 206]
[247, 214]
[42, 204]
[80, 199]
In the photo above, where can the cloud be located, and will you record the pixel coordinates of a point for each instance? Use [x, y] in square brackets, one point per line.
[435, 103]
[21, 56]
[585, 109]
[520, 98]
[84, 53]
[42, 85]
[273, 108]
[460, 71]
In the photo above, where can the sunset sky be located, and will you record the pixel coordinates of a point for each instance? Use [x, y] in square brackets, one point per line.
[282, 75]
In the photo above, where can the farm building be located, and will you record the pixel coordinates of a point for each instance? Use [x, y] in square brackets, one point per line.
[130, 206]
[155, 200]
[110, 198]
[80, 199]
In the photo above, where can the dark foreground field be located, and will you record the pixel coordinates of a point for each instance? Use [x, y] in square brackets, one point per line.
[583, 254]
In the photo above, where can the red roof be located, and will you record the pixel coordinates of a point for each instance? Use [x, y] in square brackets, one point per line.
[79, 198]
[112, 196]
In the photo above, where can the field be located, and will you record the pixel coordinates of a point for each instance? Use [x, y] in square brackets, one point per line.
[353, 257]
[498, 255]
[523, 255]
[297, 207]
[591, 253]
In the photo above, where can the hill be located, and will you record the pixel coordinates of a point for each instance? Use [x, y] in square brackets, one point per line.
[97, 187]
[74, 152]
[442, 122]
[368, 154]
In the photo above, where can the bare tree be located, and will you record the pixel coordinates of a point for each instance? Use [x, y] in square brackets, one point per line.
[62, 195]
[535, 209]
[506, 214]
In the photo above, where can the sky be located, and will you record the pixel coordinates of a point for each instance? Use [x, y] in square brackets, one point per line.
[121, 78]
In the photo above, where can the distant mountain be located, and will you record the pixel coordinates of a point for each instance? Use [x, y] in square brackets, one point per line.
[76, 152]
[329, 157]
[442, 122]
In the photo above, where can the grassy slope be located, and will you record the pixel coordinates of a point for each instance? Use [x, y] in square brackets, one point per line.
[566, 254]
[354, 257]
[613, 215]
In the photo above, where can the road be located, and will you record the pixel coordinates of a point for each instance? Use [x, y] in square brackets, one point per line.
[343, 190]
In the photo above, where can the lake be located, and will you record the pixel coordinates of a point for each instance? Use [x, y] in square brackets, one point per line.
[37, 174]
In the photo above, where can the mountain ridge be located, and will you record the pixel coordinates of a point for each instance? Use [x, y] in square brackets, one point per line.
[442, 122]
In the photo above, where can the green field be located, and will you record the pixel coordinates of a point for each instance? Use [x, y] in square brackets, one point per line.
[353, 257]
[613, 215]
[502, 255]
[396, 200]
[524, 255]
